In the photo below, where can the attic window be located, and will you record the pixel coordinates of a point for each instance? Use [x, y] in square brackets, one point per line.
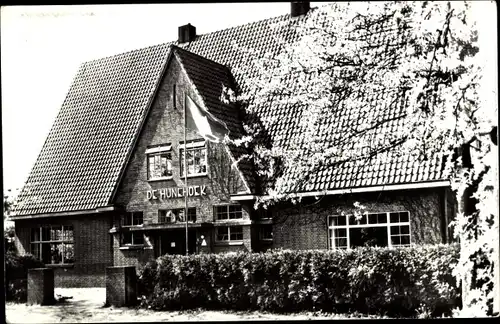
[196, 158]
[159, 162]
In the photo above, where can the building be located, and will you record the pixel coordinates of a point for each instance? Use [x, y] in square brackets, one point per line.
[107, 188]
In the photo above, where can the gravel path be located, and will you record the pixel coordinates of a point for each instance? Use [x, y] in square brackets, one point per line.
[87, 305]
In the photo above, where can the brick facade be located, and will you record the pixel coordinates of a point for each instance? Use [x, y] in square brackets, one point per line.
[97, 237]
[305, 226]
[164, 125]
[92, 248]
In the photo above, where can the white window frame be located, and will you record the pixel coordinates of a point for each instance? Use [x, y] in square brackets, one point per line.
[131, 215]
[133, 235]
[192, 146]
[228, 233]
[159, 151]
[40, 242]
[175, 214]
[227, 212]
[388, 225]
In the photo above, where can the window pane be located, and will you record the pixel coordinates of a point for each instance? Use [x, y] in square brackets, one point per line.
[151, 166]
[382, 218]
[337, 220]
[162, 216]
[192, 215]
[370, 236]
[137, 218]
[35, 234]
[45, 233]
[340, 232]
[395, 240]
[222, 233]
[395, 230]
[68, 233]
[405, 229]
[35, 250]
[266, 232]
[404, 217]
[138, 238]
[127, 238]
[236, 233]
[341, 243]
[45, 251]
[394, 217]
[357, 221]
[56, 252]
[405, 240]
[69, 253]
[221, 212]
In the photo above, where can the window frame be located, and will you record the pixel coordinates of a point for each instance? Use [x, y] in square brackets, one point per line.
[133, 234]
[132, 215]
[193, 146]
[159, 152]
[65, 240]
[262, 230]
[387, 224]
[176, 212]
[228, 212]
[229, 234]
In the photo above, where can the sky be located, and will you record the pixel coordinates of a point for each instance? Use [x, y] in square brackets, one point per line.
[43, 46]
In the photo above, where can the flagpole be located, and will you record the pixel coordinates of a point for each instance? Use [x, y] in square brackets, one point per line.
[185, 177]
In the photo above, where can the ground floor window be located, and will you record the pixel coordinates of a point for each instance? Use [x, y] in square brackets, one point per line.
[132, 238]
[266, 232]
[229, 233]
[53, 244]
[372, 229]
[166, 216]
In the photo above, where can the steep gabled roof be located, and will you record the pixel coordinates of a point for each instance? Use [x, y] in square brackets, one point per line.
[209, 78]
[81, 160]
[87, 148]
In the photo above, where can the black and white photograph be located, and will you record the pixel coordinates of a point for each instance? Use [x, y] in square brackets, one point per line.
[250, 161]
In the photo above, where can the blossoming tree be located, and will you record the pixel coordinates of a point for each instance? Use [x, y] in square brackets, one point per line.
[425, 59]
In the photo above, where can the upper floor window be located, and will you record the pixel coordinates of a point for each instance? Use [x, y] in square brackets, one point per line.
[227, 212]
[176, 215]
[132, 219]
[53, 244]
[196, 158]
[374, 229]
[229, 233]
[159, 162]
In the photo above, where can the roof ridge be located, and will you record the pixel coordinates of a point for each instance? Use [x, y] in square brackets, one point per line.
[198, 56]
[175, 43]
[128, 52]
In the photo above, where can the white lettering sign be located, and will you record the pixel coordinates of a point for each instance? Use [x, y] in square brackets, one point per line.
[177, 192]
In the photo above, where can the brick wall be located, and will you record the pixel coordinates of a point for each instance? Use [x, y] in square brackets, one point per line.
[164, 125]
[92, 248]
[305, 226]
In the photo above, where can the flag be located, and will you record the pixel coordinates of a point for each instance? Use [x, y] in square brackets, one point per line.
[209, 126]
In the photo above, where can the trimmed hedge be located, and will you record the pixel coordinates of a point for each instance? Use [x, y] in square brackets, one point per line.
[394, 282]
[16, 275]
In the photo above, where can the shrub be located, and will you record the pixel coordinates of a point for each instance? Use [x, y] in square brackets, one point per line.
[395, 282]
[16, 275]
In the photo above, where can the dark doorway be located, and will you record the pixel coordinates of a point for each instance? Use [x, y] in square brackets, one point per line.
[174, 242]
